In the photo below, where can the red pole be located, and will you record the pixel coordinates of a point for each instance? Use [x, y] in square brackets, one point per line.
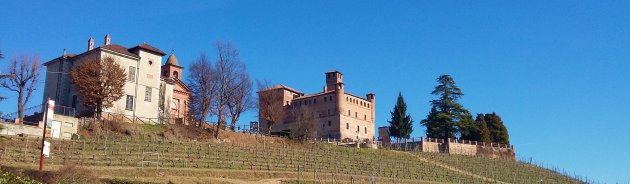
[41, 155]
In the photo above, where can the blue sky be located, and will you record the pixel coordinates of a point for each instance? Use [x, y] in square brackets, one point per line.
[557, 72]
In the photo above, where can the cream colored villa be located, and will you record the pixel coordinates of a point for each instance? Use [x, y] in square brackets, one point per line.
[150, 90]
[337, 114]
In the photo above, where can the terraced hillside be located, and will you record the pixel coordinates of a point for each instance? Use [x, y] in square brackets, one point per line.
[155, 160]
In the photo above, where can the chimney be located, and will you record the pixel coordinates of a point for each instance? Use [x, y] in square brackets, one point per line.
[90, 44]
[64, 52]
[107, 37]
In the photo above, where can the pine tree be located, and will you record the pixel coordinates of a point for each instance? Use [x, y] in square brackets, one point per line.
[444, 120]
[498, 131]
[400, 126]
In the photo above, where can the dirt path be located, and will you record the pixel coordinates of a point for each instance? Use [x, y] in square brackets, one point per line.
[456, 169]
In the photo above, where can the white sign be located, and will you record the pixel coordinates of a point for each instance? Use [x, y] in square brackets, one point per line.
[55, 128]
[50, 113]
[46, 149]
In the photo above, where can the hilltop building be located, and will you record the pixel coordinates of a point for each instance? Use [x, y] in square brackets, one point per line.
[336, 113]
[153, 92]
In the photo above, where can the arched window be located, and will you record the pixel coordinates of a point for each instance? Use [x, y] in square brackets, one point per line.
[175, 74]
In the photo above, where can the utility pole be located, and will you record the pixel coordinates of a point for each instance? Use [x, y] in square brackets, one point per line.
[49, 108]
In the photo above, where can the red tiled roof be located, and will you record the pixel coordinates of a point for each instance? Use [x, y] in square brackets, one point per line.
[118, 48]
[149, 48]
[313, 95]
[68, 56]
[280, 86]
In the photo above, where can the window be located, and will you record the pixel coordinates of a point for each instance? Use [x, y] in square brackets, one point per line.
[132, 74]
[365, 116]
[176, 103]
[329, 123]
[356, 114]
[323, 125]
[347, 126]
[314, 101]
[165, 74]
[129, 104]
[67, 124]
[365, 130]
[147, 94]
[348, 112]
[328, 111]
[176, 74]
[330, 98]
[368, 105]
[358, 130]
[150, 62]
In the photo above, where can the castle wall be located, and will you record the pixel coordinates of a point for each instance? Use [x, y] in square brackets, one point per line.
[430, 147]
[462, 149]
[470, 148]
[356, 116]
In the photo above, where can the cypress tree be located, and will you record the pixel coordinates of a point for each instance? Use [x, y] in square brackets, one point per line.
[400, 125]
[484, 132]
[469, 129]
[498, 131]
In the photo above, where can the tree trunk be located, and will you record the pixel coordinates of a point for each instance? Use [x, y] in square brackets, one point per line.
[216, 133]
[20, 104]
[99, 109]
[233, 122]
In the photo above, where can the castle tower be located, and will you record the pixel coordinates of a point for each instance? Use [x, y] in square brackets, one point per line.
[333, 78]
[90, 44]
[172, 69]
[107, 39]
[371, 97]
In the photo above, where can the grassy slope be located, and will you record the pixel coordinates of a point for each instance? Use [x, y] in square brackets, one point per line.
[266, 158]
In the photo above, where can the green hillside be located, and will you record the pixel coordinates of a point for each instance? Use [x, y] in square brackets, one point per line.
[159, 160]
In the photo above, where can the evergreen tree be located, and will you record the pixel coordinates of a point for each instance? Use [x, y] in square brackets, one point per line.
[400, 126]
[446, 114]
[469, 129]
[498, 131]
[484, 132]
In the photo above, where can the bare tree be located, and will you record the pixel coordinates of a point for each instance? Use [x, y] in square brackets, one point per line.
[270, 107]
[229, 70]
[305, 124]
[100, 82]
[4, 76]
[202, 82]
[240, 98]
[25, 74]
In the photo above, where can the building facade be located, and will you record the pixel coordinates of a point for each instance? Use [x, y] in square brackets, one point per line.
[153, 92]
[334, 113]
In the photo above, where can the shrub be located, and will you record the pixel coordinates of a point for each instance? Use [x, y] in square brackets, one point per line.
[70, 173]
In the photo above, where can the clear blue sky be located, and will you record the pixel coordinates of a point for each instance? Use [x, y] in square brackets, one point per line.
[557, 72]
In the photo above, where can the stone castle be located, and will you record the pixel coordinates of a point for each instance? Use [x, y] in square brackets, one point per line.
[336, 113]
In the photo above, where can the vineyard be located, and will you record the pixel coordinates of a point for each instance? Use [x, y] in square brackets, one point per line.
[144, 159]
